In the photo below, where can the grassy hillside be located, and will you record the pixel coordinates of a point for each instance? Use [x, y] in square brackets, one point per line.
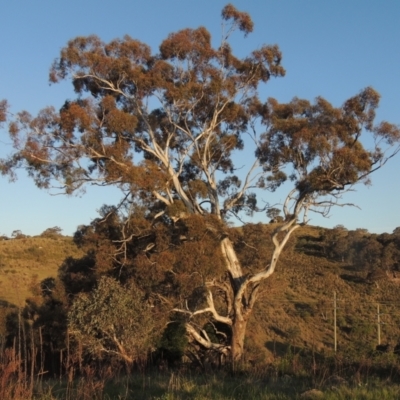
[295, 308]
[25, 260]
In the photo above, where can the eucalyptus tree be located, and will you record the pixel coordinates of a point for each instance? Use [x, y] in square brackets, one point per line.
[166, 129]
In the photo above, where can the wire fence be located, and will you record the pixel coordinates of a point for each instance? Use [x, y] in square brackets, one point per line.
[375, 320]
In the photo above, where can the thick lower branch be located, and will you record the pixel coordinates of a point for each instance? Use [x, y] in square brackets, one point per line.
[228, 293]
[124, 356]
[232, 262]
[275, 256]
[210, 309]
[206, 342]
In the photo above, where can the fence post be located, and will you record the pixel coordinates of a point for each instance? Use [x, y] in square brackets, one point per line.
[379, 327]
[334, 321]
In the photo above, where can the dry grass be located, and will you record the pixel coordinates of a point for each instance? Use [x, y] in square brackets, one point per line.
[295, 308]
[28, 259]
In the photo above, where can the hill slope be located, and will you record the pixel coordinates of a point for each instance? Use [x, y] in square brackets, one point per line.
[25, 260]
[296, 305]
[296, 308]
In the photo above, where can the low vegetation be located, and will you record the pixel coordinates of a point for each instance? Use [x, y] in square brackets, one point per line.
[328, 379]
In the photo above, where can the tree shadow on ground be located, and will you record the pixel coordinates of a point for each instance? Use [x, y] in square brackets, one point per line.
[280, 349]
[353, 278]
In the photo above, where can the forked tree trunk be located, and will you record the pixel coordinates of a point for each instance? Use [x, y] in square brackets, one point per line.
[243, 293]
[243, 304]
[239, 322]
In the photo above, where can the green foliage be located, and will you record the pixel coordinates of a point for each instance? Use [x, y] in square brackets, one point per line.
[113, 321]
[173, 342]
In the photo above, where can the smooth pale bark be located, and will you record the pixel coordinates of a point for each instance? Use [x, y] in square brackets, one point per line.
[205, 342]
[238, 334]
[232, 262]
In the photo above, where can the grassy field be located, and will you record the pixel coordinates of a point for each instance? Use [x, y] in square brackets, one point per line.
[191, 386]
[28, 260]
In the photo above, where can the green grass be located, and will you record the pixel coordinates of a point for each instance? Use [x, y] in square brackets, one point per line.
[191, 386]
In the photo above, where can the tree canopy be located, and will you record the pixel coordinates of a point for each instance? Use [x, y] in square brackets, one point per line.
[166, 128]
[3, 111]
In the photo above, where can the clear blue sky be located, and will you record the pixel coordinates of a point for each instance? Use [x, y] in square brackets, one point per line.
[330, 48]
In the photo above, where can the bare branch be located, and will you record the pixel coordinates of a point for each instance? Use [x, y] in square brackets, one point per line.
[210, 309]
[206, 343]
